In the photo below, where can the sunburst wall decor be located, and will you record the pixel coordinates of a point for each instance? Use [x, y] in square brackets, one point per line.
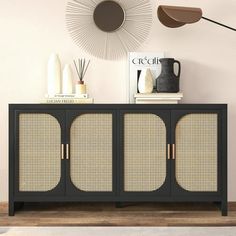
[109, 29]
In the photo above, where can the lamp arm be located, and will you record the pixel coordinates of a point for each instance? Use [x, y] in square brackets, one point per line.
[226, 26]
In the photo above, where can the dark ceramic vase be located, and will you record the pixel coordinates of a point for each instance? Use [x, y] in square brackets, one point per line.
[168, 81]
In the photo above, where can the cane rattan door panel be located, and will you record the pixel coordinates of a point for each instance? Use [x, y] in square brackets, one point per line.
[91, 152]
[144, 152]
[39, 152]
[196, 152]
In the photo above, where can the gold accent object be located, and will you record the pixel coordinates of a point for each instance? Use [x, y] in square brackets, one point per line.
[173, 152]
[62, 152]
[168, 147]
[67, 152]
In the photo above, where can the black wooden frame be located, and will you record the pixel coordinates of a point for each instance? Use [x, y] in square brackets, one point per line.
[118, 195]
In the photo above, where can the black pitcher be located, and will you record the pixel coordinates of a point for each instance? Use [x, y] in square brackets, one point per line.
[168, 81]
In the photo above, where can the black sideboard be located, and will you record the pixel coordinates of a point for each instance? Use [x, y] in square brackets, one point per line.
[117, 153]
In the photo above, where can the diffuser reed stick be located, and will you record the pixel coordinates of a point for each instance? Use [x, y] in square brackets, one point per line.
[81, 66]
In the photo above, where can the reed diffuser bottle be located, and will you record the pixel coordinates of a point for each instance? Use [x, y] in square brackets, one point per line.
[81, 67]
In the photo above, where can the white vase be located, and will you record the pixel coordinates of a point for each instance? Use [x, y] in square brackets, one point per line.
[145, 82]
[67, 81]
[54, 75]
[80, 89]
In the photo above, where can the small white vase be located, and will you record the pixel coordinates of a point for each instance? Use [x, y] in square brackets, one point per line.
[67, 87]
[145, 82]
[54, 75]
[80, 89]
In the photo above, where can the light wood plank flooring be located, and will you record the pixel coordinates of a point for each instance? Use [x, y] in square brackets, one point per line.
[101, 214]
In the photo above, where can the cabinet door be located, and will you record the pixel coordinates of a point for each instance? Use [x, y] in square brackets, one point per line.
[91, 165]
[38, 162]
[145, 166]
[196, 164]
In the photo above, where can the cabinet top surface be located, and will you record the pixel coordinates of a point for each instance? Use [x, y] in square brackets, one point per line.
[117, 106]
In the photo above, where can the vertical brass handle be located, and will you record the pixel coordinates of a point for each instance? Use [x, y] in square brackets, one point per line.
[62, 152]
[173, 152]
[168, 151]
[67, 152]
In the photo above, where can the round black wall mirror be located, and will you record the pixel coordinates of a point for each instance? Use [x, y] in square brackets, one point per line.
[109, 16]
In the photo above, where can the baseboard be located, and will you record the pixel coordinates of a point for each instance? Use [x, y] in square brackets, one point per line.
[3, 207]
[232, 206]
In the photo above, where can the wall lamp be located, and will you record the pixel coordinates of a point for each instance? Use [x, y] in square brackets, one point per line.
[176, 16]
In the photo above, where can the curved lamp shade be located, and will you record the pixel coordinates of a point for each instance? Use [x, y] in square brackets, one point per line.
[174, 16]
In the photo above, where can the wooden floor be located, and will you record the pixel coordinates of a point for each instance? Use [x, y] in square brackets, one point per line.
[150, 214]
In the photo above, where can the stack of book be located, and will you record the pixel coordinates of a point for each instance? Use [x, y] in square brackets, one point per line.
[69, 99]
[158, 98]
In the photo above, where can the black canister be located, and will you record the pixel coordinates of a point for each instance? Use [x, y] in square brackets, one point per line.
[168, 81]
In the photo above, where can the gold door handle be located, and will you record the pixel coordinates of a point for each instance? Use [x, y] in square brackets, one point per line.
[62, 152]
[67, 152]
[168, 151]
[173, 152]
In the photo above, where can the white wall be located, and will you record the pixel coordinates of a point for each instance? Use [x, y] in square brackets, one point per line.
[30, 30]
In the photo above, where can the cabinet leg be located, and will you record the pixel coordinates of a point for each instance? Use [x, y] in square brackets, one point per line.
[224, 208]
[11, 209]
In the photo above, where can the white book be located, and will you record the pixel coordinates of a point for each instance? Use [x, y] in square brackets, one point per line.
[167, 99]
[158, 95]
[69, 101]
[156, 102]
[68, 96]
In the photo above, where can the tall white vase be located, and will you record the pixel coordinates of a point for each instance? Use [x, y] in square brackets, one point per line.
[54, 75]
[145, 82]
[67, 81]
